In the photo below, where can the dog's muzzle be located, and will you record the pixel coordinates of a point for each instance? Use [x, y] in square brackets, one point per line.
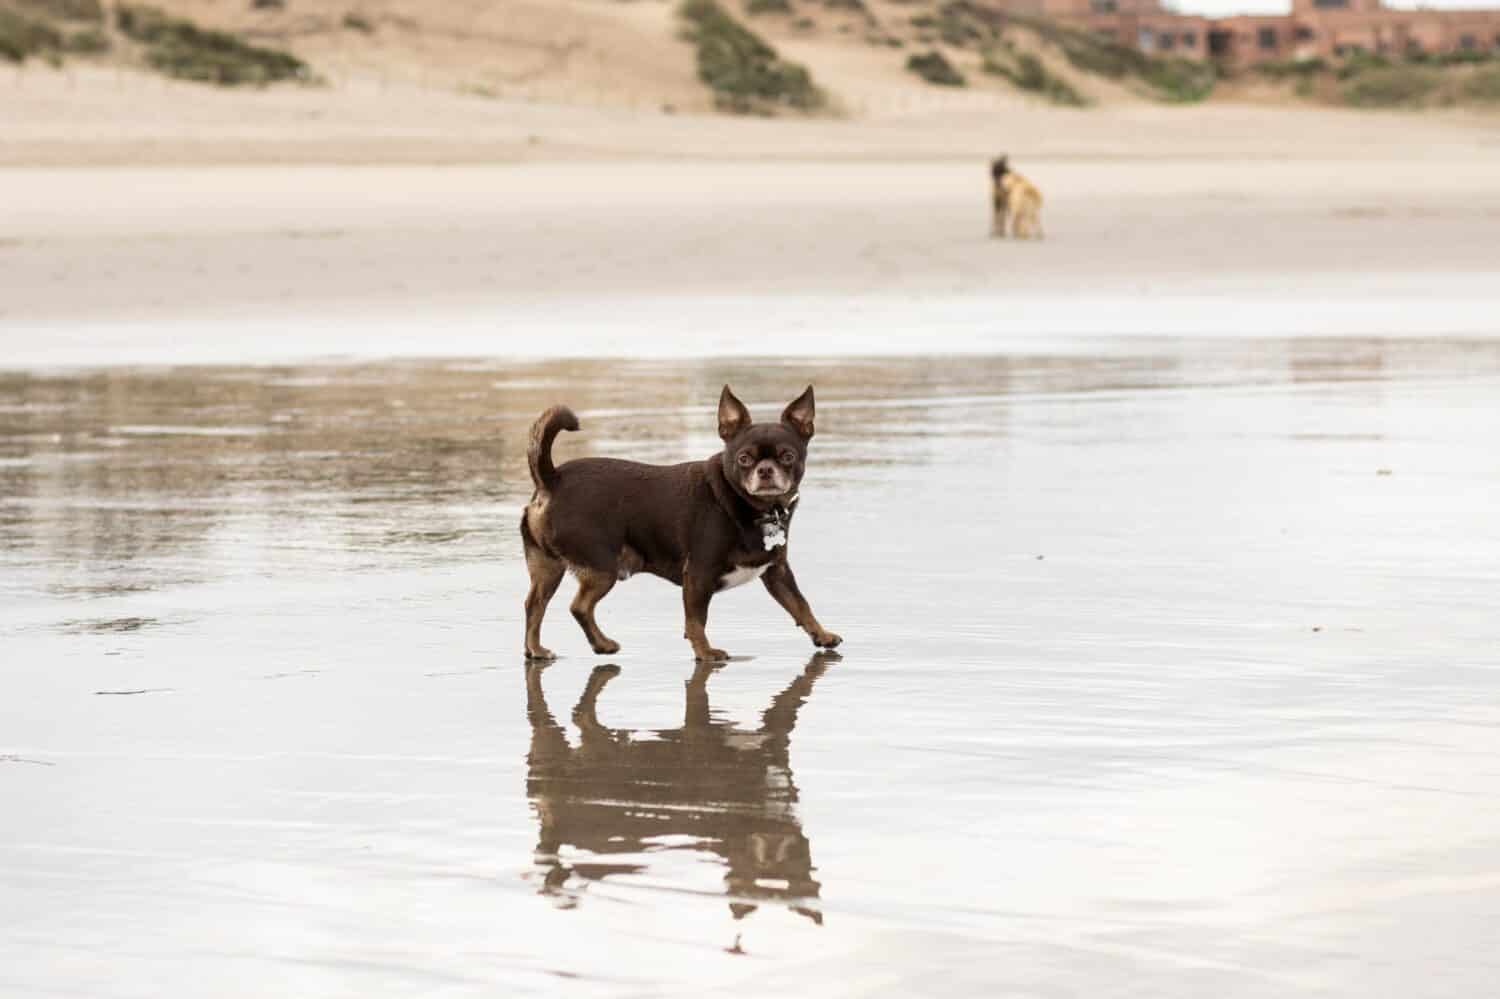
[767, 478]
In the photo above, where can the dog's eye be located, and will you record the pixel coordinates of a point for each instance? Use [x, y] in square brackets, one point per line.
[788, 457]
[746, 459]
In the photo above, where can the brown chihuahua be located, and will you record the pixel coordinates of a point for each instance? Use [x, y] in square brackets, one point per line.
[704, 525]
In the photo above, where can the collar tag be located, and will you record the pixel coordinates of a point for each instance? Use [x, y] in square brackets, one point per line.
[773, 533]
[773, 526]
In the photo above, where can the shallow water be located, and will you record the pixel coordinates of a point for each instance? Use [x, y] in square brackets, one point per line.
[1169, 670]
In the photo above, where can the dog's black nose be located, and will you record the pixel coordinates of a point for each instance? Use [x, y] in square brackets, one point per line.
[765, 472]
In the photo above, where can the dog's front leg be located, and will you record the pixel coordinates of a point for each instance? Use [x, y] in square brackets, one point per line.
[696, 593]
[782, 585]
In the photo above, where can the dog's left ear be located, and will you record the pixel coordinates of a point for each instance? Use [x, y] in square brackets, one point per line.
[799, 415]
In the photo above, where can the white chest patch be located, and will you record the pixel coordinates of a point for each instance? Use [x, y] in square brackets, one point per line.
[741, 576]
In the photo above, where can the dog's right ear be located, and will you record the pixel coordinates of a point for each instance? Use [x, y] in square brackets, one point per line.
[999, 167]
[733, 416]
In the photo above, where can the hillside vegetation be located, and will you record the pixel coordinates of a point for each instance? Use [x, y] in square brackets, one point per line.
[787, 57]
[1367, 80]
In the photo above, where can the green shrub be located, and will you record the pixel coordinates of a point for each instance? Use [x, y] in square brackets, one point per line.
[1168, 78]
[356, 21]
[1392, 86]
[934, 68]
[1180, 80]
[757, 7]
[1284, 69]
[182, 49]
[1483, 86]
[22, 37]
[1028, 72]
[1359, 61]
[961, 23]
[1095, 55]
[89, 41]
[64, 10]
[743, 71]
[1465, 57]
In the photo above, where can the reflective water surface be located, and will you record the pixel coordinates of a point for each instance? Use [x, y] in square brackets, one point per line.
[1170, 669]
[704, 785]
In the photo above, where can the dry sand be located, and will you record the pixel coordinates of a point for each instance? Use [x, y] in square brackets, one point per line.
[222, 263]
[135, 205]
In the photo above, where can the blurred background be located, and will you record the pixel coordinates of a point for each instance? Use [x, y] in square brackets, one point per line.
[1163, 548]
[439, 173]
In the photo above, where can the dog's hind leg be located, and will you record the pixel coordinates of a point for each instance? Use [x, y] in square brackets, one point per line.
[1026, 224]
[593, 584]
[546, 573]
[585, 713]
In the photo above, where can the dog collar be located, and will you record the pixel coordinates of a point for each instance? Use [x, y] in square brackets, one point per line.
[773, 523]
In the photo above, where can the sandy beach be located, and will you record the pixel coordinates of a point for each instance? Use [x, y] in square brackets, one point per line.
[118, 264]
[1164, 549]
[397, 220]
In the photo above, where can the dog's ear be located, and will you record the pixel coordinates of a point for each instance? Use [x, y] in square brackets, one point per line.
[799, 414]
[1000, 166]
[733, 416]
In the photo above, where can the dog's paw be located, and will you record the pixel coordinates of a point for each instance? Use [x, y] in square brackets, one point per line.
[608, 647]
[540, 655]
[827, 640]
[711, 655]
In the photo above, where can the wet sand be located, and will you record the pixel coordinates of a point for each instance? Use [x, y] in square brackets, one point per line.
[1169, 672]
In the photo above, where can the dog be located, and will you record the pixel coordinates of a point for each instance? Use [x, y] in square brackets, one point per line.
[1017, 204]
[727, 791]
[703, 525]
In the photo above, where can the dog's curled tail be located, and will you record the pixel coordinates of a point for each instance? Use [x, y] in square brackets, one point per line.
[539, 454]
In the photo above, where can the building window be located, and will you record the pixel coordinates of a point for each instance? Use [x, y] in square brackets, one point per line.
[1104, 6]
[1189, 39]
[1144, 39]
[1468, 42]
[1266, 38]
[1165, 41]
[1330, 3]
[1305, 34]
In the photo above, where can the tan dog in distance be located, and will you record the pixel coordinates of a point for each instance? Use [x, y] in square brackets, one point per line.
[1017, 203]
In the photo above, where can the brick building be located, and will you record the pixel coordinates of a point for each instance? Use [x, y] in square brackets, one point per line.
[1324, 28]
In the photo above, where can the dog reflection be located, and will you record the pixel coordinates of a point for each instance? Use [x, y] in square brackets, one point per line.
[620, 793]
